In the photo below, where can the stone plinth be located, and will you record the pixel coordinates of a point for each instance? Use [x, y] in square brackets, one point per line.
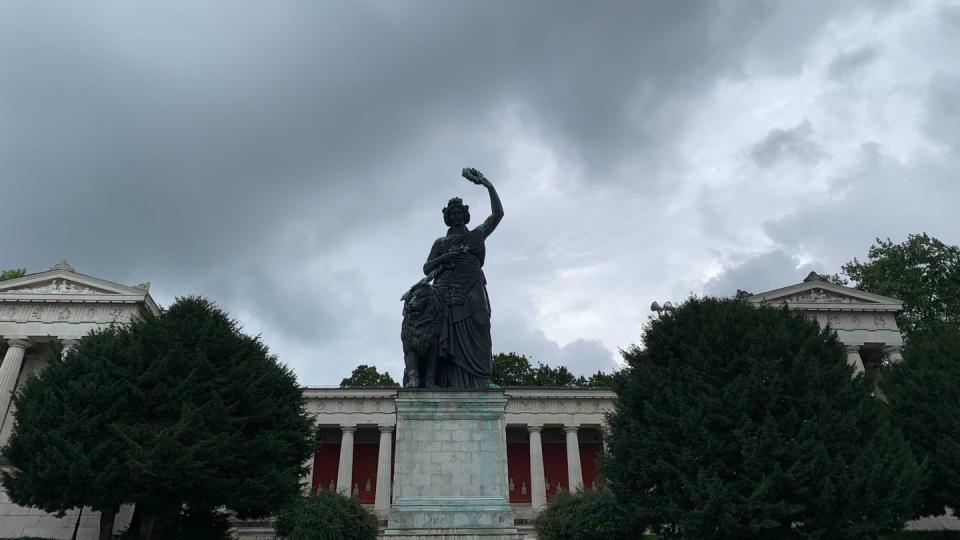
[450, 473]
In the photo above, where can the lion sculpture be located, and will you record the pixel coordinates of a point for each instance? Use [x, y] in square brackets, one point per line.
[420, 334]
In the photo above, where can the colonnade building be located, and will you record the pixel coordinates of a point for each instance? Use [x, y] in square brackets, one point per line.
[553, 436]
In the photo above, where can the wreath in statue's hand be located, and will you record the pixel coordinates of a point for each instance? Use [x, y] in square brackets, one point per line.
[474, 176]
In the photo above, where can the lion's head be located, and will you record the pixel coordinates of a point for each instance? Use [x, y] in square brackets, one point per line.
[421, 303]
[421, 318]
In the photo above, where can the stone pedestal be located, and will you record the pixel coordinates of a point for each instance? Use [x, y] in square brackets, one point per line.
[450, 474]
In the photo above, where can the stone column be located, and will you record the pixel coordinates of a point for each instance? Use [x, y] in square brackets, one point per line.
[892, 353]
[68, 343]
[345, 469]
[311, 462]
[381, 504]
[538, 487]
[574, 470]
[853, 358]
[9, 373]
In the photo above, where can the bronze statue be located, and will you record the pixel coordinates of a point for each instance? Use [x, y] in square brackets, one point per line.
[446, 324]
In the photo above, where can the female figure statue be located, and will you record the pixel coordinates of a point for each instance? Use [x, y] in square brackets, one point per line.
[463, 356]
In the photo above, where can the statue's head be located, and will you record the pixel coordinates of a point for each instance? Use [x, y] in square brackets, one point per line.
[456, 213]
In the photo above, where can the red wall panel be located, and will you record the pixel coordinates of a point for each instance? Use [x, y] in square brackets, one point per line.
[589, 462]
[555, 466]
[518, 470]
[326, 461]
[365, 471]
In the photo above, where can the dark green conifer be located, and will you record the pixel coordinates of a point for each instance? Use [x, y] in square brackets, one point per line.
[64, 450]
[924, 394]
[739, 422]
[179, 410]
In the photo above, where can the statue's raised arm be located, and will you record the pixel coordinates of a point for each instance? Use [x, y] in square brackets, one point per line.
[496, 207]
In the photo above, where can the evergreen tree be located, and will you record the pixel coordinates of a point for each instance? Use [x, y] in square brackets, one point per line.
[922, 271]
[197, 414]
[923, 394]
[64, 450]
[743, 422]
[12, 273]
[326, 516]
[365, 376]
[512, 369]
[602, 379]
[549, 376]
[585, 515]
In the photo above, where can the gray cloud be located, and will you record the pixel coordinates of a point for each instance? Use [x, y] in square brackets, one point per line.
[783, 144]
[581, 356]
[943, 108]
[882, 198]
[289, 160]
[850, 63]
[950, 15]
[758, 273]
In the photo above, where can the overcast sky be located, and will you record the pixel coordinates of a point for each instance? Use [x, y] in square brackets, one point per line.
[289, 160]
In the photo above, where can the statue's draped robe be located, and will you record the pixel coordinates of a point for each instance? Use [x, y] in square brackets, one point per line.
[465, 355]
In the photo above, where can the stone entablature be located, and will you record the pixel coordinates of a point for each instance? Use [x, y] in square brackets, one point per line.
[525, 406]
[558, 407]
[352, 407]
[64, 304]
[858, 317]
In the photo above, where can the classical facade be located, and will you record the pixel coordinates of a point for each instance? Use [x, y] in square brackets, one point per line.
[553, 436]
[864, 321]
[36, 310]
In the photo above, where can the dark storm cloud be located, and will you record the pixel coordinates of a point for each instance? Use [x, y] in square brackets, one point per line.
[183, 136]
[270, 155]
[203, 130]
[783, 144]
[849, 63]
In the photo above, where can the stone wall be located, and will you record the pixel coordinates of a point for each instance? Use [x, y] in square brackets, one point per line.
[17, 521]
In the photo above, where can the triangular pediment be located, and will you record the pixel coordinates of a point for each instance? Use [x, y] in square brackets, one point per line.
[64, 282]
[815, 291]
[56, 286]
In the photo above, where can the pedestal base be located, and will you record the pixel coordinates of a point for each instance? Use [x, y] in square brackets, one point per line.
[451, 534]
[450, 473]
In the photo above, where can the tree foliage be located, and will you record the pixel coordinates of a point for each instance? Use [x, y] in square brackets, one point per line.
[922, 390]
[64, 450]
[177, 410]
[923, 393]
[326, 516]
[12, 273]
[365, 376]
[509, 369]
[585, 515]
[743, 422]
[922, 271]
[512, 369]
